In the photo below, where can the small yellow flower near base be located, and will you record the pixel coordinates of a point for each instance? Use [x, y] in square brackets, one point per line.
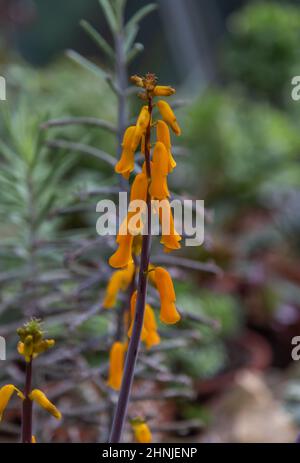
[42, 400]
[163, 90]
[6, 393]
[141, 431]
[33, 439]
[116, 365]
[168, 116]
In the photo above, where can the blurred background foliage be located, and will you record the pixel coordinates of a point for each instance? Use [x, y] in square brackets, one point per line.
[232, 63]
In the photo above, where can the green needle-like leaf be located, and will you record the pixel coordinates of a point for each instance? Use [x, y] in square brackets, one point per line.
[98, 39]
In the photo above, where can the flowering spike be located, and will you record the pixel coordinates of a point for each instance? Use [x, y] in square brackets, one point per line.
[168, 116]
[42, 400]
[116, 364]
[31, 342]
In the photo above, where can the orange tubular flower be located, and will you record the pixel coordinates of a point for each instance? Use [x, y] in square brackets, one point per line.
[119, 281]
[5, 395]
[168, 116]
[123, 255]
[42, 400]
[126, 163]
[140, 128]
[163, 90]
[152, 337]
[163, 135]
[116, 365]
[170, 238]
[164, 285]
[159, 171]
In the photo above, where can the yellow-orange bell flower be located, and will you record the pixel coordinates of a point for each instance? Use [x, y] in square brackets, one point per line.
[141, 126]
[141, 431]
[168, 116]
[6, 393]
[165, 287]
[163, 90]
[116, 365]
[170, 238]
[152, 337]
[42, 400]
[123, 255]
[159, 171]
[163, 135]
[126, 163]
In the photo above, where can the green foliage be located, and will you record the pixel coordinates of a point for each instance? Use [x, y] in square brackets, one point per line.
[209, 355]
[262, 53]
[240, 147]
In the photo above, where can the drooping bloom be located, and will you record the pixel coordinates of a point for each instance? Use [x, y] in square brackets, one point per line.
[141, 431]
[164, 285]
[42, 400]
[159, 171]
[163, 90]
[141, 127]
[123, 255]
[116, 365]
[168, 116]
[6, 393]
[138, 198]
[119, 281]
[170, 238]
[126, 163]
[149, 333]
[152, 337]
[163, 135]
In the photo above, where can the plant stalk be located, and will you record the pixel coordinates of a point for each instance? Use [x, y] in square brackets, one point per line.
[27, 406]
[128, 375]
